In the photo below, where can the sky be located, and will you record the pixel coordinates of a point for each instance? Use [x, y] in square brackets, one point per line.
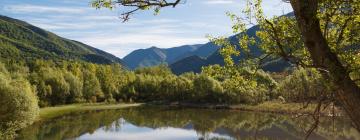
[188, 23]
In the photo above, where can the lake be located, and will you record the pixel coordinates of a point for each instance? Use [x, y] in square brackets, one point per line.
[165, 123]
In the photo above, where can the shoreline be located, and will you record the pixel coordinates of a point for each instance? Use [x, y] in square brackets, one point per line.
[266, 107]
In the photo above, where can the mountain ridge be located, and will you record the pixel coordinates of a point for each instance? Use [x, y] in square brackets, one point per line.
[154, 56]
[22, 41]
[272, 65]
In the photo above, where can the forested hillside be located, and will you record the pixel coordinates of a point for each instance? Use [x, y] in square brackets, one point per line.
[22, 41]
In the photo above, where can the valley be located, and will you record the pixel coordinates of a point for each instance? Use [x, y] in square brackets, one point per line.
[293, 75]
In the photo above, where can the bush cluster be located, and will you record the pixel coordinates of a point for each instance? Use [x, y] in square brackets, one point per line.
[18, 103]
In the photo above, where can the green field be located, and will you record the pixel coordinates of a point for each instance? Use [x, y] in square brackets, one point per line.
[53, 112]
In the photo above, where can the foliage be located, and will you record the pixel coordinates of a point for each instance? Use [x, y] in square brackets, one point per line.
[241, 84]
[92, 89]
[160, 70]
[18, 103]
[304, 85]
[280, 36]
[208, 89]
[63, 83]
[68, 82]
[76, 88]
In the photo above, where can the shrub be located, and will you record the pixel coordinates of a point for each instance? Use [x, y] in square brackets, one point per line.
[303, 85]
[239, 90]
[207, 89]
[19, 104]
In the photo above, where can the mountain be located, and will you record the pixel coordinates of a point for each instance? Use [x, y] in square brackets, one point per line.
[145, 57]
[193, 64]
[178, 53]
[22, 41]
[191, 58]
[155, 56]
[203, 51]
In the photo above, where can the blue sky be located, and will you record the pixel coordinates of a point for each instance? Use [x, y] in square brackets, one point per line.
[188, 23]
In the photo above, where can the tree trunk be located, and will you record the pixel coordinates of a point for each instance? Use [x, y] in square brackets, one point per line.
[349, 93]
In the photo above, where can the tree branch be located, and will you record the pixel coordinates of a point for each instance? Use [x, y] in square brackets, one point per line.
[138, 4]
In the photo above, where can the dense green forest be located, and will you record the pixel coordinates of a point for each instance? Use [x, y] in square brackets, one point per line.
[44, 83]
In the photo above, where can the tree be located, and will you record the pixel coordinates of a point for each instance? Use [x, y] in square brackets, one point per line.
[137, 4]
[76, 88]
[91, 87]
[317, 22]
[107, 81]
[51, 85]
[306, 16]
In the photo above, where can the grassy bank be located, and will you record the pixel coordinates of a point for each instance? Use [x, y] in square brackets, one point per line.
[53, 112]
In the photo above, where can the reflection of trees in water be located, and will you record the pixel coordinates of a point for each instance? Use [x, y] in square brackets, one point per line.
[244, 125]
[239, 124]
[334, 128]
[70, 126]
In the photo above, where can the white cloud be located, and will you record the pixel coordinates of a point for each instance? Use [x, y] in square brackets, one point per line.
[163, 41]
[219, 2]
[122, 44]
[22, 8]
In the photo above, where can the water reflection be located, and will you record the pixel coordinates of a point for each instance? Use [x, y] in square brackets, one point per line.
[178, 124]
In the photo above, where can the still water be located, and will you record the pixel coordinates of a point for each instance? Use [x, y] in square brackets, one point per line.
[159, 123]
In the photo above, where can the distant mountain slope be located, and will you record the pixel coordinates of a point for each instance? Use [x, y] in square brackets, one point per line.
[145, 57]
[20, 40]
[215, 58]
[188, 64]
[177, 53]
[155, 56]
[203, 51]
[206, 50]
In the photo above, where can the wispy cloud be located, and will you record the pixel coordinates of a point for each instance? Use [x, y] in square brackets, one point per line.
[69, 25]
[27, 8]
[163, 41]
[219, 2]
